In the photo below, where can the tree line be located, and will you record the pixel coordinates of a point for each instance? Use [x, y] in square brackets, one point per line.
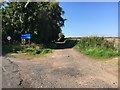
[43, 20]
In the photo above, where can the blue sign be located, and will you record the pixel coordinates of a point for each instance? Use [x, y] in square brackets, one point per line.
[25, 36]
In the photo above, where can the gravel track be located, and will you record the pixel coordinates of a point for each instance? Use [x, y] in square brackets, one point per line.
[66, 68]
[11, 77]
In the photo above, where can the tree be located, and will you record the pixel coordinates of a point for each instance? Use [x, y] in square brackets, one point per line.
[41, 19]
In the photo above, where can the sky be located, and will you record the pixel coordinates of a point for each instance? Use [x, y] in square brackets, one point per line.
[90, 19]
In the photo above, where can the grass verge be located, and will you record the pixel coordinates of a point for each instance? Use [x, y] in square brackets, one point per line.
[29, 50]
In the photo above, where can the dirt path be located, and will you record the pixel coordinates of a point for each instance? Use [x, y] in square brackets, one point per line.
[67, 68]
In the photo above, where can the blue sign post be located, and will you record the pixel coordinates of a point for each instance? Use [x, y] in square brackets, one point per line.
[25, 36]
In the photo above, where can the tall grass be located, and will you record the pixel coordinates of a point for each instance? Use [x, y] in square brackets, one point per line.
[97, 47]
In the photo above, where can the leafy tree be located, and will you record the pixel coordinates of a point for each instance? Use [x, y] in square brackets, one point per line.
[42, 20]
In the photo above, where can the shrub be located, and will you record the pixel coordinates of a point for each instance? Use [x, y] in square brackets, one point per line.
[61, 37]
[97, 47]
[44, 51]
[33, 49]
[38, 51]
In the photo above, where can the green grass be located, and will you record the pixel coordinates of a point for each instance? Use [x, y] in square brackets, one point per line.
[33, 49]
[98, 52]
[97, 47]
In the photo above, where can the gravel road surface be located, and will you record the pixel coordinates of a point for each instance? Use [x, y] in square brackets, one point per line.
[64, 68]
[11, 77]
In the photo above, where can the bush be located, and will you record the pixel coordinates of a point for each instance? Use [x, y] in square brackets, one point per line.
[37, 51]
[33, 49]
[97, 47]
[37, 46]
[94, 42]
[44, 51]
[61, 37]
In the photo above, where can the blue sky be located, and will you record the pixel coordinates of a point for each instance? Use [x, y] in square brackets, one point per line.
[90, 19]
